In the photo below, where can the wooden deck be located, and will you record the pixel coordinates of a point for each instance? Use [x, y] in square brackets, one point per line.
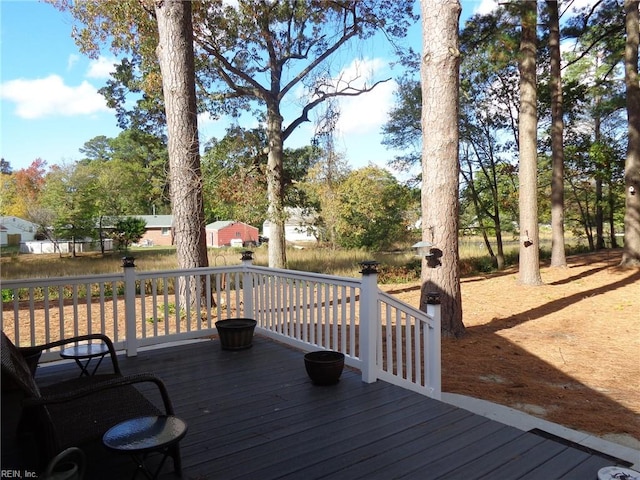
[254, 414]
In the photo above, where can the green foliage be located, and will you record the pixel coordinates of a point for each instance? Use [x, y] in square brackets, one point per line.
[134, 164]
[371, 204]
[70, 193]
[7, 295]
[168, 309]
[403, 130]
[128, 230]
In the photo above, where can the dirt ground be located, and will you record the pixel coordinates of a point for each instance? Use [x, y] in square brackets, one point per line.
[567, 351]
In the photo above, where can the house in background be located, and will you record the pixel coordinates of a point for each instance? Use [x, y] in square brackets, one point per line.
[17, 230]
[159, 230]
[229, 233]
[299, 227]
[4, 240]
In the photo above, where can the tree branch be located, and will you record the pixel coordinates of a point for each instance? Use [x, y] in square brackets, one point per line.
[349, 32]
[226, 68]
[304, 116]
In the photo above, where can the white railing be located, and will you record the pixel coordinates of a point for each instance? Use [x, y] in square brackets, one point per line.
[383, 337]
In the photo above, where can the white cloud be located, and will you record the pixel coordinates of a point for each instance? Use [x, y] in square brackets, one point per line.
[368, 111]
[486, 7]
[102, 67]
[51, 97]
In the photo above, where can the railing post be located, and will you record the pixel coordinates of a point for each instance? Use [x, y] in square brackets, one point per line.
[130, 306]
[435, 355]
[247, 284]
[369, 321]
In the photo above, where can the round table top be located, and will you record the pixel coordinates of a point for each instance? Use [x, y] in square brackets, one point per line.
[145, 433]
[85, 350]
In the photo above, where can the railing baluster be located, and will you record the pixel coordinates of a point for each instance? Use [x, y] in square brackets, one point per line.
[305, 310]
[352, 324]
[32, 326]
[47, 318]
[88, 314]
[101, 299]
[61, 310]
[74, 296]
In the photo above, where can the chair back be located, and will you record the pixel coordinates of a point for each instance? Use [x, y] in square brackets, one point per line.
[16, 374]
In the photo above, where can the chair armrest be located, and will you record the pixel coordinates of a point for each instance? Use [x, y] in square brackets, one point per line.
[32, 354]
[96, 387]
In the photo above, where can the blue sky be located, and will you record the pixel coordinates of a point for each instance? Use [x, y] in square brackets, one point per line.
[51, 107]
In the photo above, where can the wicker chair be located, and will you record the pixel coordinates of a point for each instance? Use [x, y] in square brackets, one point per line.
[75, 412]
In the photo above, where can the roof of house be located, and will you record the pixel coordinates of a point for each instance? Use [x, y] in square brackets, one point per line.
[157, 221]
[18, 223]
[220, 224]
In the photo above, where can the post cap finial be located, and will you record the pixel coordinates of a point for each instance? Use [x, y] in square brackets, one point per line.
[128, 262]
[433, 298]
[247, 255]
[369, 267]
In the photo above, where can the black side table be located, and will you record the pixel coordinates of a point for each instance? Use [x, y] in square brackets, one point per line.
[86, 352]
[141, 436]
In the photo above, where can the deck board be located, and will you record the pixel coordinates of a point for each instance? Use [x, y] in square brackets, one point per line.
[254, 414]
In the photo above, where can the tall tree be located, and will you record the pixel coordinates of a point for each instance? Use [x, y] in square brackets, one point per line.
[176, 59]
[440, 167]
[269, 49]
[529, 271]
[631, 252]
[70, 194]
[558, 258]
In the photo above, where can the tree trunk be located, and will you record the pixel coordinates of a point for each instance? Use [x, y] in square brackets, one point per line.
[599, 169]
[175, 56]
[599, 211]
[558, 257]
[611, 198]
[529, 273]
[440, 167]
[631, 252]
[275, 189]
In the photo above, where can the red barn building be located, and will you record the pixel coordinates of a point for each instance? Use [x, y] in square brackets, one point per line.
[230, 233]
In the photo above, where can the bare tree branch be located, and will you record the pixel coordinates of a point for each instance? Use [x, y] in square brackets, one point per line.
[304, 116]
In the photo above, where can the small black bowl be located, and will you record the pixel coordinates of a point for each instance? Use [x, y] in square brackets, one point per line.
[324, 367]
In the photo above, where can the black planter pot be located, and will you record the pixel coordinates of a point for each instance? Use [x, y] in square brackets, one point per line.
[324, 367]
[236, 333]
